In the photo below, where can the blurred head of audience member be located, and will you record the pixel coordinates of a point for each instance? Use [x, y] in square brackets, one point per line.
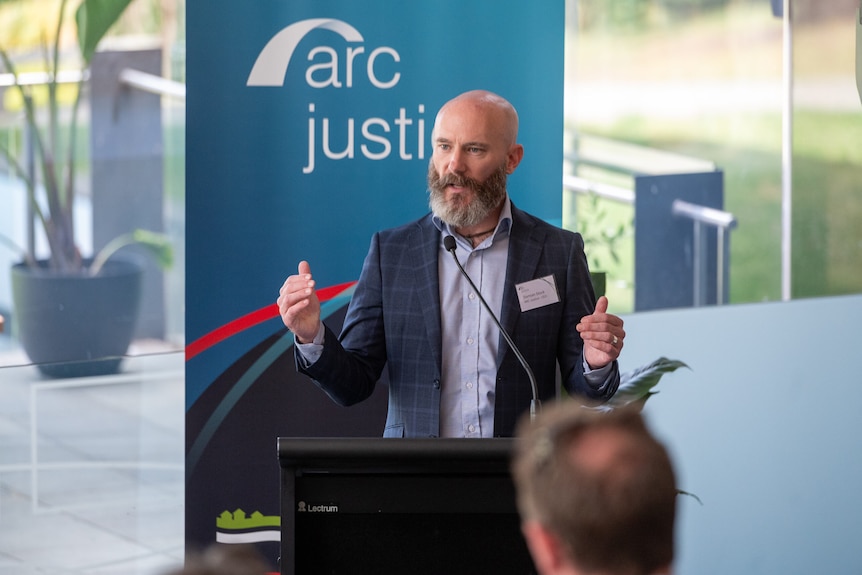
[221, 559]
[596, 492]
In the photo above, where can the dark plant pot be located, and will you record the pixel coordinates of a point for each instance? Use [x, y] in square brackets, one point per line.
[599, 280]
[76, 325]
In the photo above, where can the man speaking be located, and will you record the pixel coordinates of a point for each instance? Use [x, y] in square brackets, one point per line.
[432, 322]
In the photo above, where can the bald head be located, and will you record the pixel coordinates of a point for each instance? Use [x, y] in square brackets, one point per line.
[499, 115]
[475, 149]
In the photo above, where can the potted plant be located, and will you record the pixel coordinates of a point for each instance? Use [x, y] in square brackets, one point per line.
[73, 315]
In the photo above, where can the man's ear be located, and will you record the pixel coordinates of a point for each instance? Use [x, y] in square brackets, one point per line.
[546, 549]
[516, 154]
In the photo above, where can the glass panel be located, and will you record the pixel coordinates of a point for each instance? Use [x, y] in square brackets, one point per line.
[665, 86]
[92, 430]
[827, 155]
[92, 469]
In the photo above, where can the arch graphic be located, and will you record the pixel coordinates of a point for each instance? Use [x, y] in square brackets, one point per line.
[271, 65]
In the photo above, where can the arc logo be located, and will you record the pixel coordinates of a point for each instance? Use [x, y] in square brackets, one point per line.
[400, 132]
[271, 65]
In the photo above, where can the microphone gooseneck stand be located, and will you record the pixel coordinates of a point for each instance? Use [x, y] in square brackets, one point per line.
[449, 244]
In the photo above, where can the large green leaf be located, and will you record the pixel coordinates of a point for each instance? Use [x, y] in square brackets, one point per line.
[155, 243]
[94, 19]
[636, 385]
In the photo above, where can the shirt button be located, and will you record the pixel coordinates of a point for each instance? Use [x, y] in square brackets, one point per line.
[471, 428]
[469, 385]
[472, 296]
[470, 340]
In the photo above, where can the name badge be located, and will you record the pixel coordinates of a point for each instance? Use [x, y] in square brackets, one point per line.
[537, 293]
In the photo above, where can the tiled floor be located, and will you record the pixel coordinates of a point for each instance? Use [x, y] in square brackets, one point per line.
[91, 469]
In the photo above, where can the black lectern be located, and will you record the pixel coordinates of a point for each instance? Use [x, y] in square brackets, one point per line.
[418, 506]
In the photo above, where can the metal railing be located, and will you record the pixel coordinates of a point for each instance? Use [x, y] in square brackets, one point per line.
[129, 77]
[7, 80]
[152, 83]
[722, 222]
[608, 191]
[701, 216]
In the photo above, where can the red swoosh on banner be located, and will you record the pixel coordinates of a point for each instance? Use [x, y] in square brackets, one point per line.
[261, 315]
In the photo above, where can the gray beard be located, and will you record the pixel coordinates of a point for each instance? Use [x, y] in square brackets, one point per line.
[465, 211]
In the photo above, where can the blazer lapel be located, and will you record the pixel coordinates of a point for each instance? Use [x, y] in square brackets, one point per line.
[425, 248]
[525, 249]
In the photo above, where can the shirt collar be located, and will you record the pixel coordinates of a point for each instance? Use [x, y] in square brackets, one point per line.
[504, 224]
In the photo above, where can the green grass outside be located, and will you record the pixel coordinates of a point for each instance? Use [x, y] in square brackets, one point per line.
[827, 188]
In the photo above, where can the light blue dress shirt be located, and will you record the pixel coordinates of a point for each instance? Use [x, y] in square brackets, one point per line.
[470, 336]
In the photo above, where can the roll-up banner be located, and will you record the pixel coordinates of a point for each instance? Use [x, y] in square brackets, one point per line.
[308, 128]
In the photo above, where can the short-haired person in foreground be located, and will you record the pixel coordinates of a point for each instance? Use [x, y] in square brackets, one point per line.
[450, 372]
[596, 493]
[224, 559]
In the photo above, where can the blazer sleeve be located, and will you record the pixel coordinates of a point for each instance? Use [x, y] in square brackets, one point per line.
[580, 301]
[349, 366]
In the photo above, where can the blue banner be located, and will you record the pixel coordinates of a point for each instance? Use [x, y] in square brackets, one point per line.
[308, 129]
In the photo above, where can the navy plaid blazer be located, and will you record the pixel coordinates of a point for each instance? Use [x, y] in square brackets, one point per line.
[393, 321]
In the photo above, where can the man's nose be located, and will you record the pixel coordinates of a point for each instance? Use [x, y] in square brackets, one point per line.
[456, 162]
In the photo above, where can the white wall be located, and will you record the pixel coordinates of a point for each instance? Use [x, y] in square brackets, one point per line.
[765, 428]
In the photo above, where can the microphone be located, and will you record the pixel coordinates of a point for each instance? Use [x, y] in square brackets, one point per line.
[449, 244]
